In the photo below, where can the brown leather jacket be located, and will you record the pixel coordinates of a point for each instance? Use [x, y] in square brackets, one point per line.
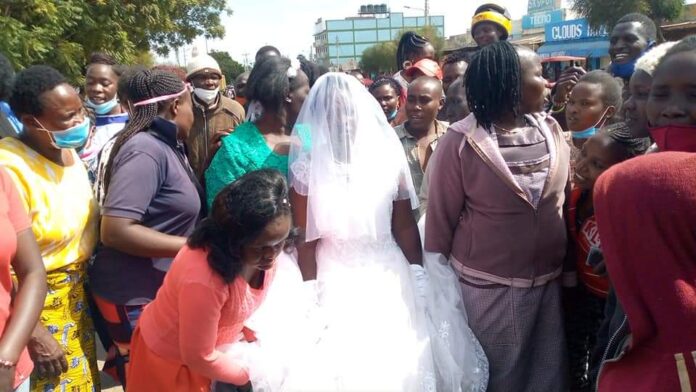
[226, 115]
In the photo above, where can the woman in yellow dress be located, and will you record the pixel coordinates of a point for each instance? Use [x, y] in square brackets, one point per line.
[54, 188]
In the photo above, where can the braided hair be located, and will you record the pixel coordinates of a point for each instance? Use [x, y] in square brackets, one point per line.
[386, 80]
[621, 134]
[143, 85]
[410, 44]
[240, 213]
[493, 82]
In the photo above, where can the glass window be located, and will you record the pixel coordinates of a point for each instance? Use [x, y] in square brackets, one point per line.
[383, 22]
[366, 36]
[397, 20]
[421, 21]
[437, 20]
[332, 51]
[340, 36]
[411, 22]
[360, 48]
[396, 34]
[339, 25]
[346, 50]
[364, 23]
[384, 35]
[441, 31]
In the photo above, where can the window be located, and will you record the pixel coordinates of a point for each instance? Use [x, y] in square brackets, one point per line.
[410, 22]
[384, 35]
[437, 20]
[340, 37]
[364, 24]
[366, 36]
[339, 25]
[421, 21]
[384, 22]
[360, 48]
[397, 20]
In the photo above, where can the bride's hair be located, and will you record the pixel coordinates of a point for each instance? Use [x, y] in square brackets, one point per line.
[239, 215]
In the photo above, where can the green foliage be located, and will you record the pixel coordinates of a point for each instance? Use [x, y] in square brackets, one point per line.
[606, 13]
[379, 58]
[382, 57]
[63, 33]
[229, 67]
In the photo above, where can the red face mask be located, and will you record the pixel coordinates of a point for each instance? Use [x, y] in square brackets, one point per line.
[675, 138]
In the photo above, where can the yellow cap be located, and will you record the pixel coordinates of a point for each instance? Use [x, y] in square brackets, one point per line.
[493, 17]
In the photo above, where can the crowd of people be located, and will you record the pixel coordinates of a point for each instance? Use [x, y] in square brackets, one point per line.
[434, 230]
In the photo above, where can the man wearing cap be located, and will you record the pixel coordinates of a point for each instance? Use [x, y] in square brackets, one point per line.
[214, 114]
[491, 23]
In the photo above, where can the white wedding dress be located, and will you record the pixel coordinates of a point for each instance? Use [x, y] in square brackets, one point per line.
[368, 324]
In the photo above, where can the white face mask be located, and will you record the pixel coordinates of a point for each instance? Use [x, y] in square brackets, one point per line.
[207, 96]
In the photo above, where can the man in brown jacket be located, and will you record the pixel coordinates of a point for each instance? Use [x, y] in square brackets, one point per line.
[214, 114]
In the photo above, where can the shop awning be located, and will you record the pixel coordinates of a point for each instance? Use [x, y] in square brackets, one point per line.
[580, 48]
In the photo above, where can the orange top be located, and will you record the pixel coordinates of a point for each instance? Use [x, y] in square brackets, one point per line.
[586, 236]
[13, 220]
[195, 311]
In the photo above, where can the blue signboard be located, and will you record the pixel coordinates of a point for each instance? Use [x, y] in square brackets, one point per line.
[572, 30]
[534, 6]
[541, 19]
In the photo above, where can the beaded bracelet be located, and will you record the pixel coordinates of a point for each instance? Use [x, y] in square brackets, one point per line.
[7, 364]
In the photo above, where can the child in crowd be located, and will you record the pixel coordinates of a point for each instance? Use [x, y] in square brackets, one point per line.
[614, 144]
[593, 102]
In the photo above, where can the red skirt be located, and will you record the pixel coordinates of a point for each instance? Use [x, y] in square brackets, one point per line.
[149, 372]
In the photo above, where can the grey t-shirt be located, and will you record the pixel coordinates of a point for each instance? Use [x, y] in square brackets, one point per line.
[149, 184]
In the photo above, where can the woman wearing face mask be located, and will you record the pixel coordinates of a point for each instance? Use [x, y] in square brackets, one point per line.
[101, 86]
[635, 105]
[671, 107]
[387, 92]
[279, 88]
[53, 185]
[592, 103]
[153, 202]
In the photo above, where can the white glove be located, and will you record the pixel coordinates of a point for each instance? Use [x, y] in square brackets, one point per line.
[421, 280]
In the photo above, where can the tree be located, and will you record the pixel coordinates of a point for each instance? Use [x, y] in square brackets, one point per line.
[230, 68]
[605, 13]
[64, 33]
[381, 57]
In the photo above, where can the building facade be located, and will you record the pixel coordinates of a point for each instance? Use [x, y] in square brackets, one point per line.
[340, 43]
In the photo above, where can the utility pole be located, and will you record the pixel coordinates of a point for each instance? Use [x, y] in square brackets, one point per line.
[337, 56]
[426, 11]
[246, 61]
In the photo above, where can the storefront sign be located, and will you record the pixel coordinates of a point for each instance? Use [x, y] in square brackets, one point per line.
[534, 6]
[572, 30]
[541, 19]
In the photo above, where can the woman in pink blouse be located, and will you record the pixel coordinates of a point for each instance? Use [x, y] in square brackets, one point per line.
[214, 285]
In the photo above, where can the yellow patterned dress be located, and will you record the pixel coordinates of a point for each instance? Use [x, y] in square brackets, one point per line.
[64, 218]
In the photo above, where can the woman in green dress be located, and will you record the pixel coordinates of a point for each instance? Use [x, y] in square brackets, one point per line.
[278, 88]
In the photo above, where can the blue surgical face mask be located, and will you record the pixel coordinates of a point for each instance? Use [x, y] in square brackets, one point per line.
[73, 137]
[392, 115]
[623, 70]
[103, 108]
[591, 131]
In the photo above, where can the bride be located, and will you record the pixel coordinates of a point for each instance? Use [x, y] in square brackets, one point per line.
[383, 320]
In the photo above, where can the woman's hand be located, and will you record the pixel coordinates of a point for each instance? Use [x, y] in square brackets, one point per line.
[569, 78]
[47, 354]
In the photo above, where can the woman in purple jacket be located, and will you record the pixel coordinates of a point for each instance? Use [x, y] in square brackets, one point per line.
[495, 209]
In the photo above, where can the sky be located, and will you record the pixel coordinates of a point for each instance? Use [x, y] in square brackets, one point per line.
[289, 24]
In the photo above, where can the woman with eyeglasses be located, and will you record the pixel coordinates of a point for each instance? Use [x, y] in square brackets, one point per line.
[53, 185]
[152, 203]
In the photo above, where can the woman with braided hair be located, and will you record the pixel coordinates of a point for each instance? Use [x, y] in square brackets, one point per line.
[215, 283]
[412, 49]
[495, 210]
[152, 203]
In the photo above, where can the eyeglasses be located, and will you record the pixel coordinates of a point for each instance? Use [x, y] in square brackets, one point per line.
[187, 87]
